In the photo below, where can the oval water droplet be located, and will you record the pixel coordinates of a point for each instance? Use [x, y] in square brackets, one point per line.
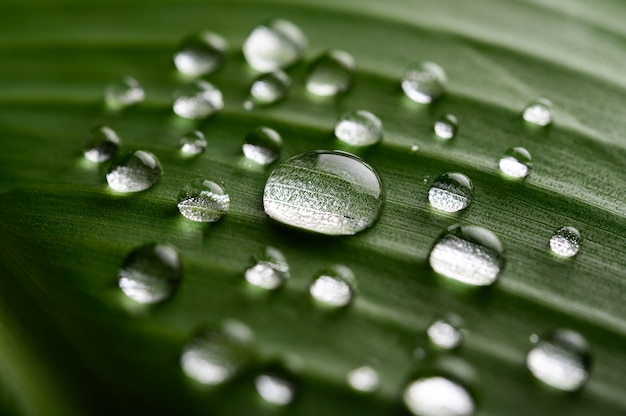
[438, 396]
[565, 242]
[331, 73]
[561, 359]
[333, 286]
[262, 145]
[124, 93]
[446, 127]
[198, 100]
[268, 88]
[133, 171]
[516, 163]
[274, 45]
[359, 128]
[325, 191]
[469, 254]
[150, 273]
[200, 54]
[424, 82]
[274, 389]
[193, 143]
[100, 144]
[270, 270]
[538, 112]
[446, 332]
[203, 201]
[451, 192]
[364, 379]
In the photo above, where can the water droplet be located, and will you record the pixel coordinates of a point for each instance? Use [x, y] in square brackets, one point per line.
[274, 389]
[446, 127]
[262, 145]
[538, 112]
[193, 143]
[324, 191]
[150, 273]
[331, 73]
[424, 82]
[203, 201]
[333, 286]
[446, 333]
[270, 270]
[470, 254]
[565, 242]
[451, 192]
[438, 396]
[359, 128]
[124, 93]
[274, 45]
[268, 88]
[100, 144]
[561, 359]
[200, 54]
[516, 162]
[415, 147]
[198, 100]
[133, 171]
[364, 379]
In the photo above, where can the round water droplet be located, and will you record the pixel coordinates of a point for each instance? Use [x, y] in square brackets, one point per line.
[150, 273]
[198, 100]
[124, 93]
[538, 112]
[200, 54]
[203, 201]
[438, 396]
[364, 379]
[469, 254]
[133, 171]
[424, 82]
[516, 162]
[561, 360]
[270, 270]
[262, 145]
[331, 73]
[193, 143]
[100, 144]
[333, 286]
[274, 389]
[324, 191]
[565, 242]
[446, 127]
[451, 192]
[359, 128]
[274, 45]
[268, 88]
[446, 333]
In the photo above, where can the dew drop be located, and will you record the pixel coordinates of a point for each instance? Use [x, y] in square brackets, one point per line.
[359, 128]
[438, 396]
[446, 127]
[324, 191]
[124, 93]
[193, 143]
[446, 333]
[561, 360]
[538, 112]
[268, 88]
[274, 45]
[451, 192]
[274, 389]
[133, 171]
[333, 286]
[150, 273]
[262, 145]
[364, 379]
[203, 201]
[200, 54]
[100, 144]
[516, 163]
[565, 242]
[424, 82]
[270, 270]
[198, 100]
[331, 73]
[469, 254]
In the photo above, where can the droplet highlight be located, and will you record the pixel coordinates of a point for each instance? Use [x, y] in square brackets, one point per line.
[331, 73]
[193, 143]
[100, 144]
[203, 201]
[451, 192]
[124, 93]
[274, 45]
[133, 171]
[359, 128]
[268, 88]
[270, 270]
[334, 286]
[565, 242]
[438, 396]
[262, 145]
[446, 127]
[446, 333]
[198, 100]
[516, 163]
[274, 389]
[538, 112]
[200, 54]
[364, 379]
[424, 82]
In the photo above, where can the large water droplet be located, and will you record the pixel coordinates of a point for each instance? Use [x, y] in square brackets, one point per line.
[193, 143]
[516, 162]
[470, 254]
[324, 191]
[124, 93]
[446, 127]
[274, 45]
[333, 286]
[133, 171]
[331, 73]
[561, 359]
[200, 54]
[262, 145]
[565, 242]
[274, 389]
[100, 144]
[150, 273]
[438, 396]
[451, 192]
[268, 88]
[198, 100]
[359, 128]
[364, 379]
[446, 333]
[424, 82]
[538, 112]
[270, 270]
[203, 201]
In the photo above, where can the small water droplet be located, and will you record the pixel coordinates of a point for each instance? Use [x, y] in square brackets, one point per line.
[268, 88]
[469, 254]
[198, 100]
[419, 353]
[150, 273]
[446, 333]
[274, 45]
[331, 73]
[538, 112]
[133, 171]
[262, 145]
[446, 127]
[270, 270]
[203, 201]
[333, 286]
[516, 162]
[424, 82]
[274, 389]
[561, 360]
[124, 93]
[438, 396]
[415, 147]
[565, 242]
[325, 191]
[200, 54]
[100, 144]
[359, 128]
[193, 143]
[364, 379]
[451, 192]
